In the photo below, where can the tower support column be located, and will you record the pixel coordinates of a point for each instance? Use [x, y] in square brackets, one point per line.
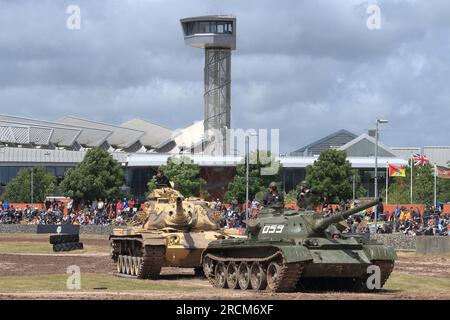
[217, 104]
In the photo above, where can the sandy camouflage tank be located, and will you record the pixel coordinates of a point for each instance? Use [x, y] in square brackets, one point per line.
[288, 250]
[173, 233]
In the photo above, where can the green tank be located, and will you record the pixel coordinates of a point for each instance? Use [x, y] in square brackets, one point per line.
[288, 250]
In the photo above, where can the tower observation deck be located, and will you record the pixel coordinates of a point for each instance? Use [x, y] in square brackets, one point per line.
[217, 36]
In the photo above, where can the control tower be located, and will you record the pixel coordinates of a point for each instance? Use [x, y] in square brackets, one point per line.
[217, 36]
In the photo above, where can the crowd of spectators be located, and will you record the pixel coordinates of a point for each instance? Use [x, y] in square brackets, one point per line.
[412, 222]
[233, 214]
[98, 212]
[409, 221]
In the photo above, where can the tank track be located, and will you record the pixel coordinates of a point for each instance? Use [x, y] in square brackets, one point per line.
[147, 266]
[152, 262]
[386, 268]
[287, 280]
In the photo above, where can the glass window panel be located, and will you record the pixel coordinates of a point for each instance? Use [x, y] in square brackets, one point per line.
[60, 171]
[3, 171]
[204, 27]
[213, 26]
[220, 27]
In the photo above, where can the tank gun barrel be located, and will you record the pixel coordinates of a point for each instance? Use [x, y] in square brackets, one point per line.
[324, 223]
[180, 211]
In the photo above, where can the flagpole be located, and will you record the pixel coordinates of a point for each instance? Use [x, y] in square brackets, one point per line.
[411, 187]
[387, 181]
[435, 185]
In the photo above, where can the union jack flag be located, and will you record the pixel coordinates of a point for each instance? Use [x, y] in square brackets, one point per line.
[420, 160]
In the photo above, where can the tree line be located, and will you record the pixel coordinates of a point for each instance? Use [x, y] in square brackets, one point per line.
[331, 177]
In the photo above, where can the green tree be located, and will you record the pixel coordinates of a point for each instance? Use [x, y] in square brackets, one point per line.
[185, 174]
[263, 168]
[361, 192]
[19, 189]
[97, 176]
[443, 190]
[398, 190]
[331, 176]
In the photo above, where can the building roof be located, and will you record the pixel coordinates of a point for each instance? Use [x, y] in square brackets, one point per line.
[154, 133]
[35, 156]
[438, 155]
[333, 140]
[24, 135]
[87, 137]
[59, 135]
[120, 138]
[183, 139]
[364, 146]
[405, 152]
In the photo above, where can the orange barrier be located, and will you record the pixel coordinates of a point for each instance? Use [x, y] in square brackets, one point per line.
[23, 206]
[392, 207]
[446, 208]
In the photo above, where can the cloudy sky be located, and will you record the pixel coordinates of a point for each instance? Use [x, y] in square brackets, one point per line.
[307, 67]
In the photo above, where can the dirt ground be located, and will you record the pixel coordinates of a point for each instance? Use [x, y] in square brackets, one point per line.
[22, 265]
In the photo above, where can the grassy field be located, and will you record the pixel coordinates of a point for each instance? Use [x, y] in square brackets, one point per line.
[412, 255]
[39, 243]
[89, 282]
[39, 247]
[92, 282]
[415, 283]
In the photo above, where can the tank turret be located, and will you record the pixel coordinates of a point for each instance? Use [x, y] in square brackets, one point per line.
[167, 208]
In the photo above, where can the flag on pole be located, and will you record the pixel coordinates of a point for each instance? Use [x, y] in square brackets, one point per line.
[442, 172]
[420, 160]
[397, 171]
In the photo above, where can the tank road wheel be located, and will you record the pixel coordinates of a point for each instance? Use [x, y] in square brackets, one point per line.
[130, 265]
[258, 278]
[244, 275]
[273, 274]
[220, 275]
[208, 267]
[120, 264]
[232, 276]
[127, 264]
[135, 264]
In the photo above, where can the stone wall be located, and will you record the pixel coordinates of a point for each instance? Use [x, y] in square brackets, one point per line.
[29, 228]
[433, 244]
[396, 240]
[17, 228]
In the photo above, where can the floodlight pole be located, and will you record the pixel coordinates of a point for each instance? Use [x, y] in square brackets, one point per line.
[378, 121]
[247, 156]
[32, 187]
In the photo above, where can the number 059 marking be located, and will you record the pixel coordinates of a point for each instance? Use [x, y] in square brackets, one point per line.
[273, 228]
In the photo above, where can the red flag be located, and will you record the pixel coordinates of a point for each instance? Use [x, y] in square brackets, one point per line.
[443, 172]
[397, 171]
[420, 160]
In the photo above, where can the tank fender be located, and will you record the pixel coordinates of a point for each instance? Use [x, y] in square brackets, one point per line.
[295, 253]
[154, 240]
[380, 252]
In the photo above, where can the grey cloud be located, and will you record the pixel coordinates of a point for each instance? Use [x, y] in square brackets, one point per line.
[306, 67]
